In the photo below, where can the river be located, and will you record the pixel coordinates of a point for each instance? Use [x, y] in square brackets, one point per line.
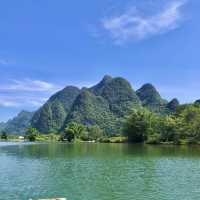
[99, 171]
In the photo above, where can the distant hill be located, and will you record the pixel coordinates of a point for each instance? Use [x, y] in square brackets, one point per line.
[197, 102]
[2, 126]
[151, 98]
[172, 105]
[19, 124]
[105, 104]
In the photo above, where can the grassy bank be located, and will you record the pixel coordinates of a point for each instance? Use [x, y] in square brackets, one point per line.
[116, 139]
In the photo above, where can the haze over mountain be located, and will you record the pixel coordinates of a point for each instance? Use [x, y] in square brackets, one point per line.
[105, 104]
[19, 124]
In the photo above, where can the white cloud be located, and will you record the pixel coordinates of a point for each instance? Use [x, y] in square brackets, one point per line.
[30, 86]
[26, 93]
[133, 25]
[22, 101]
[37, 102]
[84, 84]
[8, 103]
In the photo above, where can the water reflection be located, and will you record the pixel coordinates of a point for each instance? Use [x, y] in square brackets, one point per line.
[61, 150]
[99, 171]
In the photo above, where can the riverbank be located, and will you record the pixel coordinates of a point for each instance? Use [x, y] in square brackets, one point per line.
[115, 140]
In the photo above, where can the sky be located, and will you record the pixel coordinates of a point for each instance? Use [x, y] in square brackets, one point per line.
[46, 45]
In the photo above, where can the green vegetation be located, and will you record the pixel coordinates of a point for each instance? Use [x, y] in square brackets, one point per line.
[51, 116]
[4, 136]
[31, 134]
[139, 125]
[116, 139]
[92, 133]
[90, 110]
[103, 105]
[151, 98]
[100, 114]
[120, 96]
[72, 131]
[75, 131]
[181, 127]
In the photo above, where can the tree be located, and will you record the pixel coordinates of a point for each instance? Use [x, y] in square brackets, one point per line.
[4, 136]
[190, 117]
[72, 131]
[94, 132]
[31, 134]
[139, 125]
[168, 128]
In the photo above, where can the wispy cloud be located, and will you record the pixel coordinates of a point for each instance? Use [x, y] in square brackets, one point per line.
[26, 93]
[29, 85]
[30, 94]
[22, 101]
[8, 103]
[133, 25]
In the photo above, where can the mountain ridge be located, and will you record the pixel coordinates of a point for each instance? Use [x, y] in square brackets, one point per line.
[104, 104]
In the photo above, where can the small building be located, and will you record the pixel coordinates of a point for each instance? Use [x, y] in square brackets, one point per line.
[21, 138]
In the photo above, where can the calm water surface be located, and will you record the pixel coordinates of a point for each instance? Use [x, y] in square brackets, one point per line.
[99, 172]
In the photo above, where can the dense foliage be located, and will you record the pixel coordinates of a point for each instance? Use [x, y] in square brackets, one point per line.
[181, 127]
[31, 134]
[4, 136]
[139, 125]
[51, 116]
[92, 133]
[120, 96]
[104, 105]
[72, 131]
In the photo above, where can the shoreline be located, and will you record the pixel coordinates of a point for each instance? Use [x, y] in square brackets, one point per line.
[183, 143]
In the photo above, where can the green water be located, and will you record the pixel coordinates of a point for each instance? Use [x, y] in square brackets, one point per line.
[99, 172]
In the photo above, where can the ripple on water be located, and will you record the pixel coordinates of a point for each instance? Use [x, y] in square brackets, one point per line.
[99, 171]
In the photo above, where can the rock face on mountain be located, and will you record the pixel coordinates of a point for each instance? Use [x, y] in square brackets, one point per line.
[51, 116]
[151, 98]
[19, 124]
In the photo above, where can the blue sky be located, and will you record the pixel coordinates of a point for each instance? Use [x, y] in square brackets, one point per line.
[48, 44]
